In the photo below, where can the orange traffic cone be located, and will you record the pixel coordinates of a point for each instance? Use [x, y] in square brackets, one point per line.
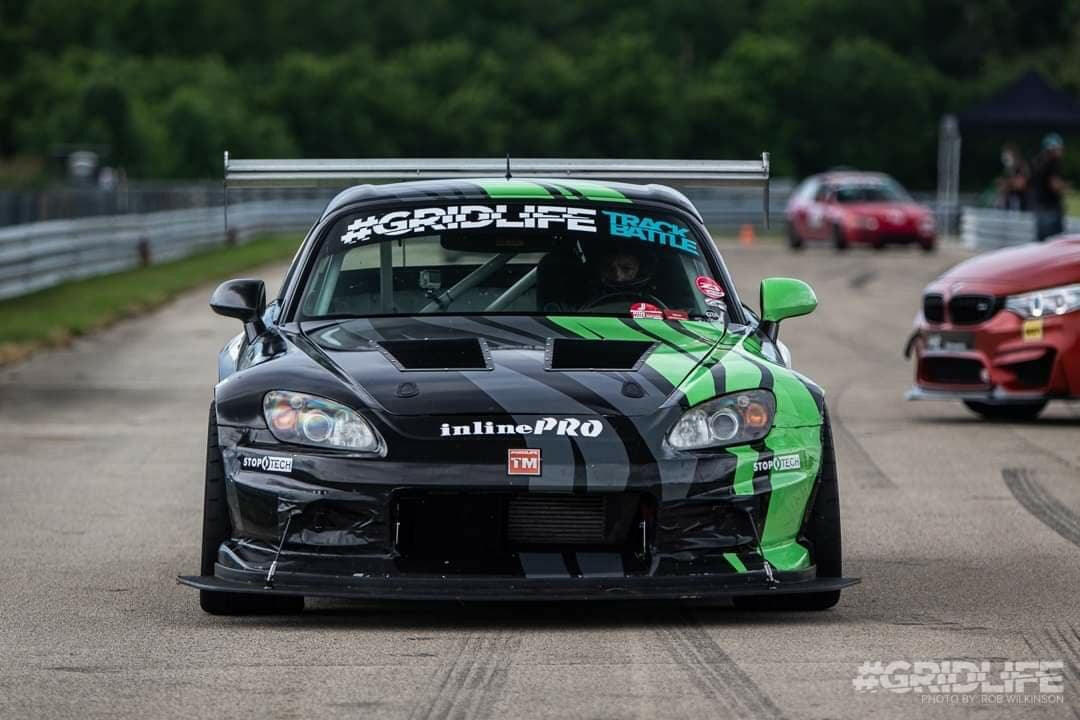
[746, 235]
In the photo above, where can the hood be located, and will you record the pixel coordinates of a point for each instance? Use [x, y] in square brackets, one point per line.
[1017, 269]
[476, 365]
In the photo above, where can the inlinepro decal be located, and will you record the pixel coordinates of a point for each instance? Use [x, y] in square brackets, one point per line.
[567, 426]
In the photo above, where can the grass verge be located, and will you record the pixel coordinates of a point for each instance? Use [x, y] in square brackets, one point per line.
[53, 316]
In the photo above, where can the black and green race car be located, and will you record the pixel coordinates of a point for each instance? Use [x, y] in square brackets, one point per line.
[509, 388]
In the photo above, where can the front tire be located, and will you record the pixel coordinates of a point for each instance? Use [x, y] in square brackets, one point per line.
[1007, 412]
[795, 240]
[840, 241]
[822, 531]
[216, 530]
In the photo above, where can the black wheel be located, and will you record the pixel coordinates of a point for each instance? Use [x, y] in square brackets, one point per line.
[1007, 412]
[216, 530]
[794, 239]
[839, 240]
[822, 531]
[927, 246]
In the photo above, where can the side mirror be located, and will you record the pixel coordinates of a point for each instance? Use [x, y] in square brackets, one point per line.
[783, 298]
[243, 299]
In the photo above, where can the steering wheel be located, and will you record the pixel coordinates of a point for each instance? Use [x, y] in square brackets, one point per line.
[628, 294]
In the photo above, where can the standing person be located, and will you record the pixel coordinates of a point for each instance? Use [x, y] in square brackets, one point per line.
[1012, 185]
[1048, 188]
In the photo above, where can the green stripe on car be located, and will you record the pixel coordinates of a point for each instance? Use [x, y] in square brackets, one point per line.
[513, 189]
[595, 191]
[672, 364]
[735, 562]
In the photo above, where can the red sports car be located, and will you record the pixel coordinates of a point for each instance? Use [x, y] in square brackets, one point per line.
[1001, 331]
[857, 208]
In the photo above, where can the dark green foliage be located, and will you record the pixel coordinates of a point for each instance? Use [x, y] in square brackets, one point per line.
[166, 85]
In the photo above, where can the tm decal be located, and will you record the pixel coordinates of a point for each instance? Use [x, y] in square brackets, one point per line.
[646, 229]
[523, 461]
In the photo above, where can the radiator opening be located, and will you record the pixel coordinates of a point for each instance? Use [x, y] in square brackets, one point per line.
[483, 533]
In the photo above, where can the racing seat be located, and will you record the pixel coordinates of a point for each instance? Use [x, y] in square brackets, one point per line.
[561, 282]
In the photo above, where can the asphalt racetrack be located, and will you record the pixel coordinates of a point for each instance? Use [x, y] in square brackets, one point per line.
[966, 536]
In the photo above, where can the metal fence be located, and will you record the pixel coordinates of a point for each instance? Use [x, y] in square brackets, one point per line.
[130, 198]
[39, 255]
[988, 228]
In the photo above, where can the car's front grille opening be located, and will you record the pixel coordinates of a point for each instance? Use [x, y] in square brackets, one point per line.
[556, 520]
[572, 354]
[972, 309]
[437, 354]
[1032, 374]
[486, 532]
[951, 371]
[933, 308]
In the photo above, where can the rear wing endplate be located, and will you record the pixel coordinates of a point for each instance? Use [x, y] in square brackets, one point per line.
[339, 173]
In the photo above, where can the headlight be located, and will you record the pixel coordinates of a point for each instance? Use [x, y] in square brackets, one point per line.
[309, 420]
[926, 225]
[729, 420]
[1051, 301]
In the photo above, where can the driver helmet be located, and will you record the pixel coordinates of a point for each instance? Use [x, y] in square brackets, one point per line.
[625, 267]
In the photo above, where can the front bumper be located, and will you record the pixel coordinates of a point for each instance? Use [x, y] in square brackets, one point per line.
[994, 396]
[1003, 359]
[502, 589]
[889, 235]
[711, 525]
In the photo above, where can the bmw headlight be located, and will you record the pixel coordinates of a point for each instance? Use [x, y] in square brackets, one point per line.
[309, 420]
[1051, 301]
[733, 419]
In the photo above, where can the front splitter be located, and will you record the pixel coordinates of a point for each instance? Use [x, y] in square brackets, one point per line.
[500, 589]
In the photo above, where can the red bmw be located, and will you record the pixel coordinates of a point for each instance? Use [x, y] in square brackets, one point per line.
[1001, 331]
[857, 208]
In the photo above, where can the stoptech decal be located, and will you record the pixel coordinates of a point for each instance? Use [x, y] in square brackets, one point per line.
[646, 229]
[779, 462]
[267, 463]
[569, 427]
[457, 217]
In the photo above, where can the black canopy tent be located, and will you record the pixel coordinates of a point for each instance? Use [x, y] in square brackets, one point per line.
[1027, 105]
[1029, 102]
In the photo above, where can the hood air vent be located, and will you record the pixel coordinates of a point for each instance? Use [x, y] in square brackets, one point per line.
[437, 354]
[566, 354]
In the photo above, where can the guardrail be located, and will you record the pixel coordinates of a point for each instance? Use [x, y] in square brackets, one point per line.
[35, 256]
[39, 255]
[989, 228]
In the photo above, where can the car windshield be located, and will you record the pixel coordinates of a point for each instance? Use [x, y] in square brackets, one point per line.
[871, 193]
[512, 258]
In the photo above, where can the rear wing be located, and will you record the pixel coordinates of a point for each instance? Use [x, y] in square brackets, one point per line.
[339, 173]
